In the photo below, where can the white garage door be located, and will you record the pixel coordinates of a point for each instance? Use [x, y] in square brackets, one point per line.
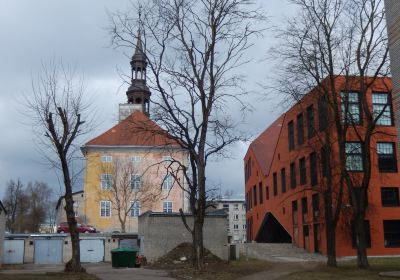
[92, 250]
[13, 251]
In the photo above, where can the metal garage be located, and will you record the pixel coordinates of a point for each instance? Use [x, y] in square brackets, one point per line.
[48, 251]
[92, 250]
[13, 251]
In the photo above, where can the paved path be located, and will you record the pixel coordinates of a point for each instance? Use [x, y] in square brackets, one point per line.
[104, 271]
[281, 269]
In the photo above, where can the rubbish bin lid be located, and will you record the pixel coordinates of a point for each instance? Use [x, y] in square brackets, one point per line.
[123, 249]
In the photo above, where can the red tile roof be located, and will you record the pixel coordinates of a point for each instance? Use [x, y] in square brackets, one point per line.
[264, 145]
[135, 130]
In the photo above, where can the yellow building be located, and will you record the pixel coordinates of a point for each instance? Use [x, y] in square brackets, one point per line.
[134, 166]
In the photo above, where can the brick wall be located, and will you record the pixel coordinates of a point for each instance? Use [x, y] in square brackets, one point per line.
[393, 25]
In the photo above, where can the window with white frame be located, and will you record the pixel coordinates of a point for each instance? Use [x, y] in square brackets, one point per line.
[106, 181]
[244, 226]
[106, 158]
[381, 108]
[135, 208]
[167, 184]
[167, 207]
[351, 107]
[235, 226]
[136, 159]
[135, 181]
[236, 217]
[354, 156]
[236, 206]
[105, 208]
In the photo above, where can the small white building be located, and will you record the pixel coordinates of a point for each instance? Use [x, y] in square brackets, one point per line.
[236, 226]
[3, 215]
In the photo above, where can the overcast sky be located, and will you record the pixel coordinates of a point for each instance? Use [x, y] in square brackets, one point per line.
[74, 30]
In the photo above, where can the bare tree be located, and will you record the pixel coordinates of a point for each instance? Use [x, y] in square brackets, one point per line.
[128, 188]
[12, 200]
[60, 116]
[39, 198]
[194, 50]
[327, 41]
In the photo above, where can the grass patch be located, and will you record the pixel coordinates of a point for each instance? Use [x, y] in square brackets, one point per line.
[49, 276]
[222, 270]
[349, 270]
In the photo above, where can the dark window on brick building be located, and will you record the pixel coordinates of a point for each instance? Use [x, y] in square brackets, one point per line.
[367, 229]
[267, 192]
[304, 209]
[313, 169]
[283, 180]
[391, 232]
[302, 169]
[324, 160]
[251, 198]
[390, 197]
[275, 182]
[315, 206]
[300, 129]
[310, 121]
[293, 175]
[386, 157]
[254, 195]
[291, 135]
[322, 113]
[294, 212]
[260, 192]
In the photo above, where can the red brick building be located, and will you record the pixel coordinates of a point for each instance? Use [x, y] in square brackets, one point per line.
[283, 171]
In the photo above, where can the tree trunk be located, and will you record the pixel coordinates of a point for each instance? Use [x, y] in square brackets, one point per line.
[198, 249]
[361, 239]
[330, 230]
[73, 265]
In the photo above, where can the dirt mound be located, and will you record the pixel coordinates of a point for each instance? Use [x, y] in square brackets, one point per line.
[183, 254]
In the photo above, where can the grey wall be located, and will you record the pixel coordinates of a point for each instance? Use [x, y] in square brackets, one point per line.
[162, 233]
[393, 25]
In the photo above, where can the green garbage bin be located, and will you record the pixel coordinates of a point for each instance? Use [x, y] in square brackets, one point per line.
[123, 257]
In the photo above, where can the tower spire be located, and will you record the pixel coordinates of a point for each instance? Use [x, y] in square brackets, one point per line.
[138, 93]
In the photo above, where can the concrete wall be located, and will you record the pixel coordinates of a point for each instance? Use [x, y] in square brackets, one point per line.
[2, 231]
[393, 26]
[163, 232]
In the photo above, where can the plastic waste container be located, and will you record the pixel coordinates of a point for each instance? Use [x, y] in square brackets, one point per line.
[123, 257]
